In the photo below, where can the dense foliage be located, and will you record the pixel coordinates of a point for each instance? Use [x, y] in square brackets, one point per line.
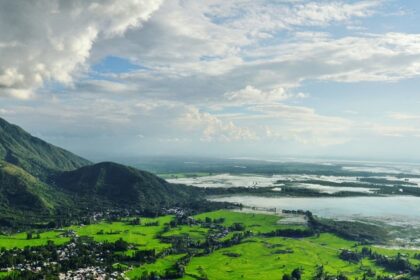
[45, 186]
[33, 154]
[124, 186]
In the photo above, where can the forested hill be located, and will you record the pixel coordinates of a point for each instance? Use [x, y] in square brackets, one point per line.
[40, 183]
[34, 155]
[123, 186]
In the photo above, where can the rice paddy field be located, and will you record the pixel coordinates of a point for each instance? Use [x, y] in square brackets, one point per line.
[270, 258]
[255, 257]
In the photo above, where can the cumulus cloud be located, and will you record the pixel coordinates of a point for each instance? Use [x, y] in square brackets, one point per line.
[207, 72]
[367, 57]
[261, 18]
[215, 37]
[213, 128]
[183, 39]
[50, 40]
[205, 52]
[251, 96]
[303, 125]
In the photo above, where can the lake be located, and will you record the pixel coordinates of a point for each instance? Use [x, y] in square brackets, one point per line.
[398, 210]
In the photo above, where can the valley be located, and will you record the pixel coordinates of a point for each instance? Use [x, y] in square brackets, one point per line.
[209, 140]
[63, 217]
[213, 245]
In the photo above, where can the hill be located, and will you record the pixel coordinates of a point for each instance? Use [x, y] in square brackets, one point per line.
[42, 183]
[34, 155]
[22, 196]
[123, 186]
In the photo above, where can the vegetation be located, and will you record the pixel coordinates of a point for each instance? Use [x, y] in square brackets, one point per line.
[108, 220]
[124, 186]
[24, 199]
[33, 154]
[43, 186]
[214, 245]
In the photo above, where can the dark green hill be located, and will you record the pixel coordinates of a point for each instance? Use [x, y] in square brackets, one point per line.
[124, 186]
[33, 154]
[22, 196]
[42, 183]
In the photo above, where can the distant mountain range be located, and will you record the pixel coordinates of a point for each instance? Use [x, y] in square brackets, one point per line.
[40, 182]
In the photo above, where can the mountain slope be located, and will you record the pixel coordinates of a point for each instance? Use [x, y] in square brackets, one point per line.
[41, 183]
[124, 186]
[23, 196]
[33, 154]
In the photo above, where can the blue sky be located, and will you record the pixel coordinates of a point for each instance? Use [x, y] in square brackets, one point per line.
[215, 78]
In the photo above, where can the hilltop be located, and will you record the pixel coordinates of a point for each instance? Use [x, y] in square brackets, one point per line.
[41, 183]
[123, 186]
[34, 155]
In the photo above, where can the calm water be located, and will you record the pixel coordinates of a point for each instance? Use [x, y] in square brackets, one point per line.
[394, 210]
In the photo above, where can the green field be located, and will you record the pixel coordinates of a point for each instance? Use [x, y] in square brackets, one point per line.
[160, 265]
[255, 257]
[19, 240]
[256, 222]
[144, 237]
[269, 258]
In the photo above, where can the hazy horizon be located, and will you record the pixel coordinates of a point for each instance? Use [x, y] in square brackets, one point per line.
[269, 79]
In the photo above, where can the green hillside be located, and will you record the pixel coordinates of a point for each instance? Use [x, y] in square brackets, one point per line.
[123, 186]
[33, 154]
[42, 183]
[22, 196]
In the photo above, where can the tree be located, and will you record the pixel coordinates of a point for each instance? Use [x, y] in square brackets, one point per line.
[29, 235]
[286, 277]
[121, 245]
[320, 274]
[341, 276]
[135, 222]
[297, 274]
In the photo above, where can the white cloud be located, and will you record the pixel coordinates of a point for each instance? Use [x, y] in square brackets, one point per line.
[248, 61]
[260, 18]
[103, 86]
[251, 96]
[395, 131]
[404, 116]
[367, 57]
[304, 125]
[51, 40]
[213, 128]
[186, 39]
[205, 53]
[213, 38]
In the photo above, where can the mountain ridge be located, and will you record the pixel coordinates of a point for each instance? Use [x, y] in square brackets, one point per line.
[41, 183]
[33, 154]
[123, 185]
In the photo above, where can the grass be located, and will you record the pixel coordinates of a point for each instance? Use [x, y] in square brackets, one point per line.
[159, 266]
[256, 222]
[19, 240]
[270, 258]
[141, 235]
[408, 253]
[255, 258]
[196, 233]
[4, 274]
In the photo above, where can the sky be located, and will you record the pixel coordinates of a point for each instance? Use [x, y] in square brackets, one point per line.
[249, 78]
